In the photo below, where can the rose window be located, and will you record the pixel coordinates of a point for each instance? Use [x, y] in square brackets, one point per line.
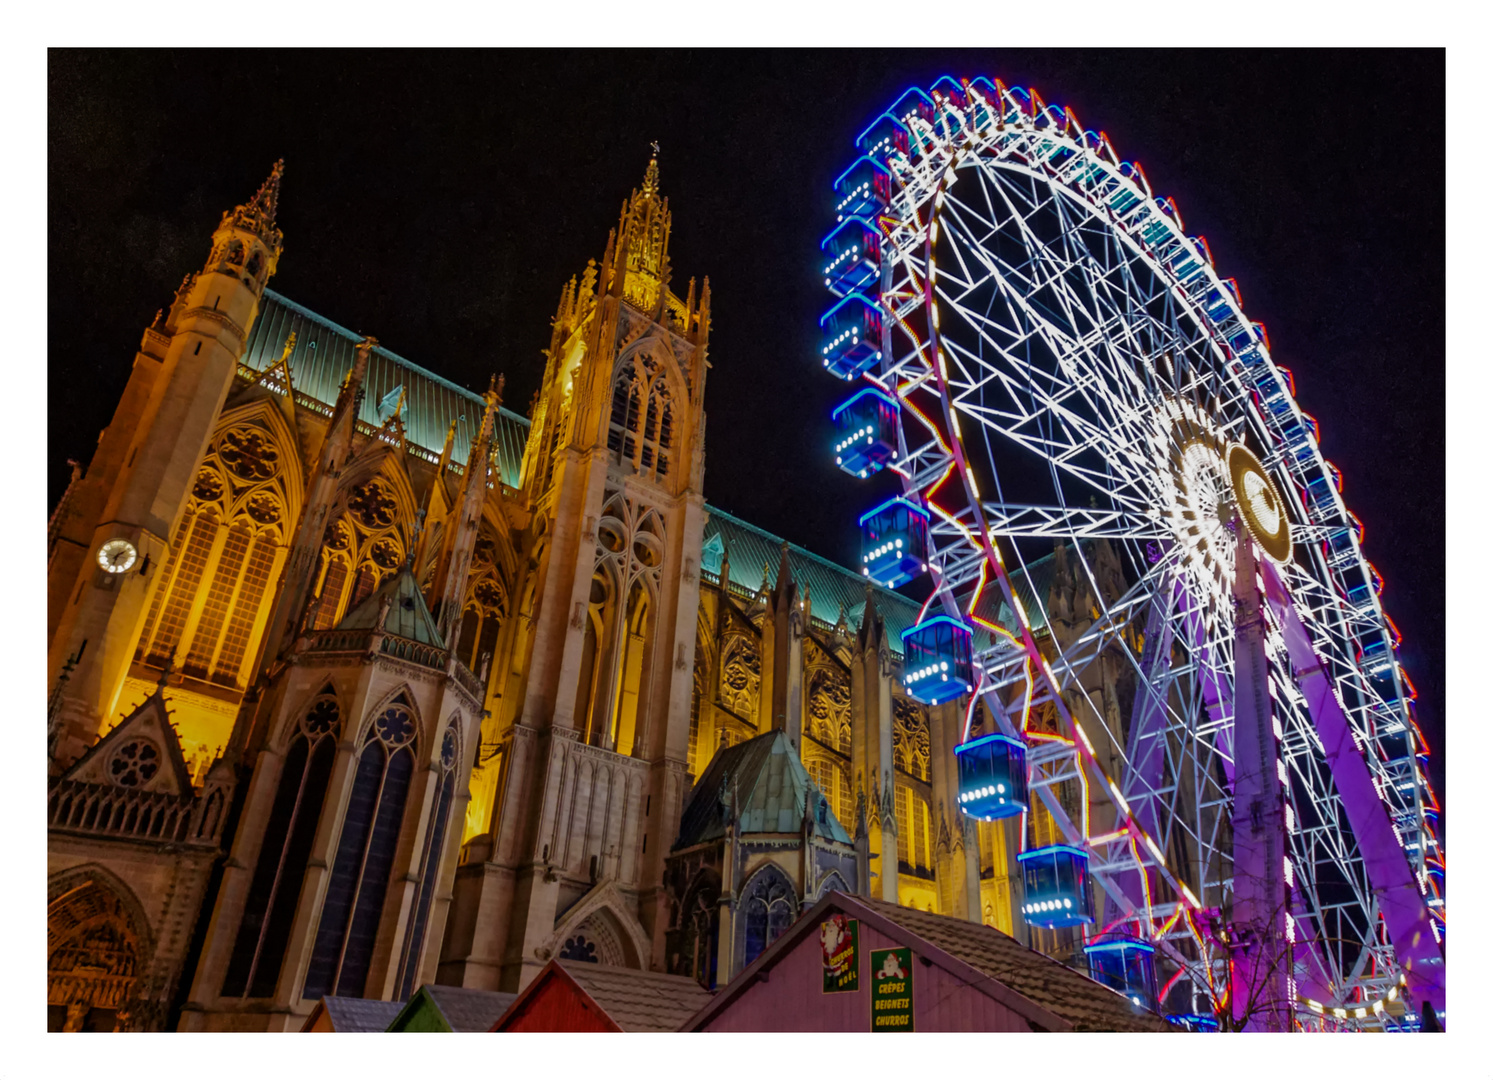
[209, 485]
[264, 508]
[321, 718]
[395, 726]
[386, 554]
[488, 595]
[135, 763]
[249, 455]
[373, 506]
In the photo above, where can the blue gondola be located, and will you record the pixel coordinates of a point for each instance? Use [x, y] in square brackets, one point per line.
[866, 432]
[851, 336]
[992, 777]
[894, 542]
[936, 658]
[1055, 884]
[1127, 965]
[913, 102]
[863, 190]
[852, 257]
[886, 136]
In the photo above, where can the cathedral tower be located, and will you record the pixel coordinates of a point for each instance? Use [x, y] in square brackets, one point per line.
[587, 776]
[112, 539]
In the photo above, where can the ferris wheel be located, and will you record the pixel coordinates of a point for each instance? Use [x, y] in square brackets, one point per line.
[1225, 741]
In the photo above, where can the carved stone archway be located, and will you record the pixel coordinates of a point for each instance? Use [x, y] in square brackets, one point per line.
[98, 949]
[611, 934]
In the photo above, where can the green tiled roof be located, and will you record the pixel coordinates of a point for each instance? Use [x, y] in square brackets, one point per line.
[772, 784]
[408, 616]
[829, 584]
[323, 356]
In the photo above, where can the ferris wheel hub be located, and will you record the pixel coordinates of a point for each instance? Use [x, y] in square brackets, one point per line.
[1259, 503]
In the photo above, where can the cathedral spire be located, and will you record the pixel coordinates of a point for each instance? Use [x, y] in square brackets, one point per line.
[258, 214]
[650, 177]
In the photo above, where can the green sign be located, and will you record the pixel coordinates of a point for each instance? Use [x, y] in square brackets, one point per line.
[838, 936]
[891, 989]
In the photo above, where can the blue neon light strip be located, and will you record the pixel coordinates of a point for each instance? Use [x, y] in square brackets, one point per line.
[1114, 946]
[1025, 855]
[868, 390]
[911, 92]
[983, 739]
[934, 619]
[874, 123]
[878, 166]
[852, 220]
[830, 314]
[869, 514]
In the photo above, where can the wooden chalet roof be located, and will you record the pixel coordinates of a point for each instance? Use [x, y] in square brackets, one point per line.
[1051, 995]
[350, 1014]
[638, 1000]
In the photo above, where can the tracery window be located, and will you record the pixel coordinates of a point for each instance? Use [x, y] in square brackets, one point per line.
[486, 606]
[831, 778]
[641, 431]
[700, 926]
[269, 908]
[360, 549]
[430, 862]
[227, 541]
[134, 763]
[769, 905]
[910, 740]
[359, 881]
[914, 830]
[696, 703]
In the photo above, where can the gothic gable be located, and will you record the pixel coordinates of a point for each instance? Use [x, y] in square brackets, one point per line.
[141, 753]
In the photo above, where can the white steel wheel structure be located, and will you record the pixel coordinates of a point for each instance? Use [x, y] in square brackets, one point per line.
[1070, 369]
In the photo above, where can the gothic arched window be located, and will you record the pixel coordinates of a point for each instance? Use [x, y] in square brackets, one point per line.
[699, 931]
[430, 862]
[641, 431]
[269, 908]
[769, 905]
[228, 541]
[359, 880]
[486, 606]
[914, 832]
[360, 549]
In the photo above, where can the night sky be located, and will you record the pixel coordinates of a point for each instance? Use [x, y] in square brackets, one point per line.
[441, 201]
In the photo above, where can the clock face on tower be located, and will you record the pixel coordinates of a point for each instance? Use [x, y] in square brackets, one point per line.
[117, 556]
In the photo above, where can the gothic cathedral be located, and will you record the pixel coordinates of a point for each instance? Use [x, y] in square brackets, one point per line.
[360, 681]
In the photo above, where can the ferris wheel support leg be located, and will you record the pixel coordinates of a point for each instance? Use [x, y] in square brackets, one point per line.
[1259, 994]
[1389, 871]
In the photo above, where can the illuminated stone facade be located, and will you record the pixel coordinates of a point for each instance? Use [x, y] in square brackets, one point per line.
[390, 685]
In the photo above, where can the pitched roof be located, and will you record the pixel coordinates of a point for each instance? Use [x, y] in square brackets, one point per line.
[357, 1014]
[461, 1008]
[765, 774]
[1085, 1003]
[638, 1000]
[324, 354]
[1049, 994]
[408, 616]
